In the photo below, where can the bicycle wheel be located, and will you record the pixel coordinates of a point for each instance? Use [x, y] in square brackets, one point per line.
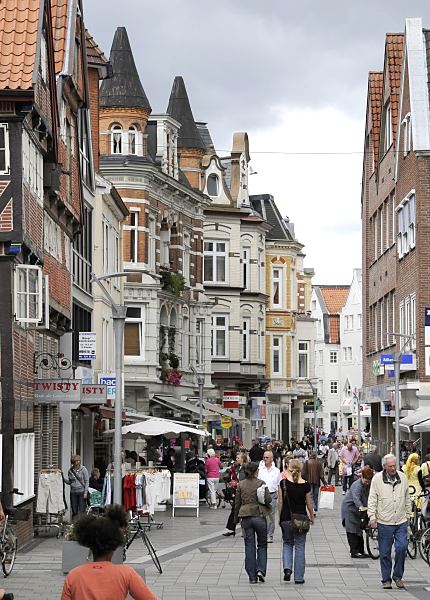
[152, 552]
[424, 544]
[412, 544]
[8, 551]
[372, 543]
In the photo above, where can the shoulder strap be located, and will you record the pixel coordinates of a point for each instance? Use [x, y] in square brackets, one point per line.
[77, 477]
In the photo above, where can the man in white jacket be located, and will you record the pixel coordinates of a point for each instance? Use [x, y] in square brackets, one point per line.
[389, 508]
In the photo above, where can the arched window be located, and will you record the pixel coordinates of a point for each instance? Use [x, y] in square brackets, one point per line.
[213, 185]
[132, 140]
[116, 139]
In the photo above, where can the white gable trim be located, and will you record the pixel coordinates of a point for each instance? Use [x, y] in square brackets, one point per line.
[418, 90]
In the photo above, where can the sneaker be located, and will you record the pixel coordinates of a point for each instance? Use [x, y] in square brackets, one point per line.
[387, 585]
[270, 540]
[261, 576]
[287, 574]
[343, 492]
[252, 580]
[399, 583]
[299, 582]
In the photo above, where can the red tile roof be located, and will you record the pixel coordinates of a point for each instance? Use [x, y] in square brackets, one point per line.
[335, 297]
[18, 41]
[59, 31]
[394, 54]
[95, 55]
[376, 81]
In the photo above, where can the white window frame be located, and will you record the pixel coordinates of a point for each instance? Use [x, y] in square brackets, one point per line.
[381, 321]
[213, 177]
[280, 280]
[116, 138]
[381, 230]
[152, 242]
[388, 128]
[134, 228]
[217, 328]
[303, 350]
[413, 324]
[321, 357]
[132, 133]
[246, 270]
[6, 170]
[334, 387]
[402, 317]
[27, 270]
[387, 223]
[334, 357]
[407, 134]
[260, 340]
[200, 329]
[32, 166]
[214, 254]
[141, 322]
[106, 247]
[246, 339]
[185, 358]
[186, 257]
[277, 349]
[260, 270]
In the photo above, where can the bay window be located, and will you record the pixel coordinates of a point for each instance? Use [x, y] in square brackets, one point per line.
[215, 261]
[246, 326]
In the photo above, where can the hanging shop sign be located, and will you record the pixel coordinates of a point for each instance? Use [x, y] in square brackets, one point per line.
[93, 393]
[109, 379]
[258, 406]
[186, 491]
[231, 399]
[407, 362]
[226, 423]
[87, 345]
[57, 390]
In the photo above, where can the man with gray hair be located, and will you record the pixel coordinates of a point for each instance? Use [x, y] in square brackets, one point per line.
[389, 508]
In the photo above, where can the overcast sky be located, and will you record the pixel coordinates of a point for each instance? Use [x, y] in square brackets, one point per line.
[291, 74]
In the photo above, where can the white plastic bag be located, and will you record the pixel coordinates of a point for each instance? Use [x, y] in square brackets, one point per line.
[326, 499]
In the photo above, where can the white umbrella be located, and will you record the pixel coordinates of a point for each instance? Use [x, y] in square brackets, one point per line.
[153, 427]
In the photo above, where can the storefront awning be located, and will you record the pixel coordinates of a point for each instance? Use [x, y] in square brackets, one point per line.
[423, 427]
[224, 412]
[170, 402]
[347, 405]
[415, 419]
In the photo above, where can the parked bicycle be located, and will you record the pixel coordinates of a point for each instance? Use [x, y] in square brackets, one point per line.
[417, 525]
[8, 537]
[138, 529]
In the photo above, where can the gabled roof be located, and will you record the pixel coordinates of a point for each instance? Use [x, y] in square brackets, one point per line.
[18, 43]
[95, 56]
[265, 205]
[335, 297]
[394, 55]
[206, 136]
[375, 87]
[179, 108]
[124, 88]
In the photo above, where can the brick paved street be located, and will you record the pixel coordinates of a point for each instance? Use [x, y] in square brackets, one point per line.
[199, 564]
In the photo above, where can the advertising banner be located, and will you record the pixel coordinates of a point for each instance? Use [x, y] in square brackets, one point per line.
[186, 491]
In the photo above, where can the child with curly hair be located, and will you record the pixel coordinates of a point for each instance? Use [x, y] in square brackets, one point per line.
[100, 579]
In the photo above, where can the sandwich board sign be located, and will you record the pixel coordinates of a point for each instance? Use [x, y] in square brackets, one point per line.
[186, 491]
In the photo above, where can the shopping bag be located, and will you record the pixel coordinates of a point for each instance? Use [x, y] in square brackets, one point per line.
[326, 499]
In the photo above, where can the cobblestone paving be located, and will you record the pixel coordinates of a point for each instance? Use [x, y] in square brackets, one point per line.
[199, 564]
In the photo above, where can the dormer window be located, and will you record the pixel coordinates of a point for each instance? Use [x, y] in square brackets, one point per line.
[116, 139]
[132, 140]
[213, 185]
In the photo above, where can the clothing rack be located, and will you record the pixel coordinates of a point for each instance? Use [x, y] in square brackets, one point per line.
[48, 521]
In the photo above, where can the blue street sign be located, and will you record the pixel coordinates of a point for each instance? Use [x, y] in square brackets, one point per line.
[388, 359]
[427, 317]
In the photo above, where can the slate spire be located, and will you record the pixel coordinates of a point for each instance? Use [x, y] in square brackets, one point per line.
[179, 108]
[124, 89]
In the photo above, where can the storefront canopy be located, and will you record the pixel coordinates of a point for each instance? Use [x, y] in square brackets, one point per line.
[414, 420]
[170, 402]
[152, 427]
[224, 412]
[423, 427]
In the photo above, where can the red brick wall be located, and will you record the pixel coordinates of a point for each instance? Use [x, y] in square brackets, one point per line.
[93, 85]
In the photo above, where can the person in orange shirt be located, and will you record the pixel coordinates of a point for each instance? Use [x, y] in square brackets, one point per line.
[100, 579]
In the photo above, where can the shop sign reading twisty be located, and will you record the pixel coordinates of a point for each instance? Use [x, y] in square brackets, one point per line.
[72, 391]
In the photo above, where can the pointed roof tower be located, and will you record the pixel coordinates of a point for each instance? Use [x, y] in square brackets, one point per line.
[124, 89]
[179, 108]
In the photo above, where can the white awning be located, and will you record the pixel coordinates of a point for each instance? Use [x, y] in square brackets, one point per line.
[153, 427]
[415, 418]
[170, 402]
[422, 427]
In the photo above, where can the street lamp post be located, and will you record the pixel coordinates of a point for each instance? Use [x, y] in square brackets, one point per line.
[397, 360]
[200, 382]
[119, 313]
[314, 394]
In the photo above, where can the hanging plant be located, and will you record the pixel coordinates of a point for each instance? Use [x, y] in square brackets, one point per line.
[173, 360]
[172, 282]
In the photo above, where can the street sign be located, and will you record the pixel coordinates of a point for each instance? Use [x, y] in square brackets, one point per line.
[226, 423]
[407, 362]
[87, 345]
[109, 380]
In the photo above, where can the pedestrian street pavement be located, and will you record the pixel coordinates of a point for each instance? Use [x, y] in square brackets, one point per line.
[199, 564]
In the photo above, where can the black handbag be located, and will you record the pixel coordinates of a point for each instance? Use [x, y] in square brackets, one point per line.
[299, 522]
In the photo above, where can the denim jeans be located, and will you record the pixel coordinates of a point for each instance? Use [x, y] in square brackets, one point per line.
[78, 504]
[315, 490]
[271, 518]
[293, 550]
[255, 558]
[387, 534]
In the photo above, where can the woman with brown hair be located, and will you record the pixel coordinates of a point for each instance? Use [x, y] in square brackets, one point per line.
[237, 474]
[294, 497]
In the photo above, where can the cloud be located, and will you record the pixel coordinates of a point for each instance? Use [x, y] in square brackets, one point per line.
[256, 66]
